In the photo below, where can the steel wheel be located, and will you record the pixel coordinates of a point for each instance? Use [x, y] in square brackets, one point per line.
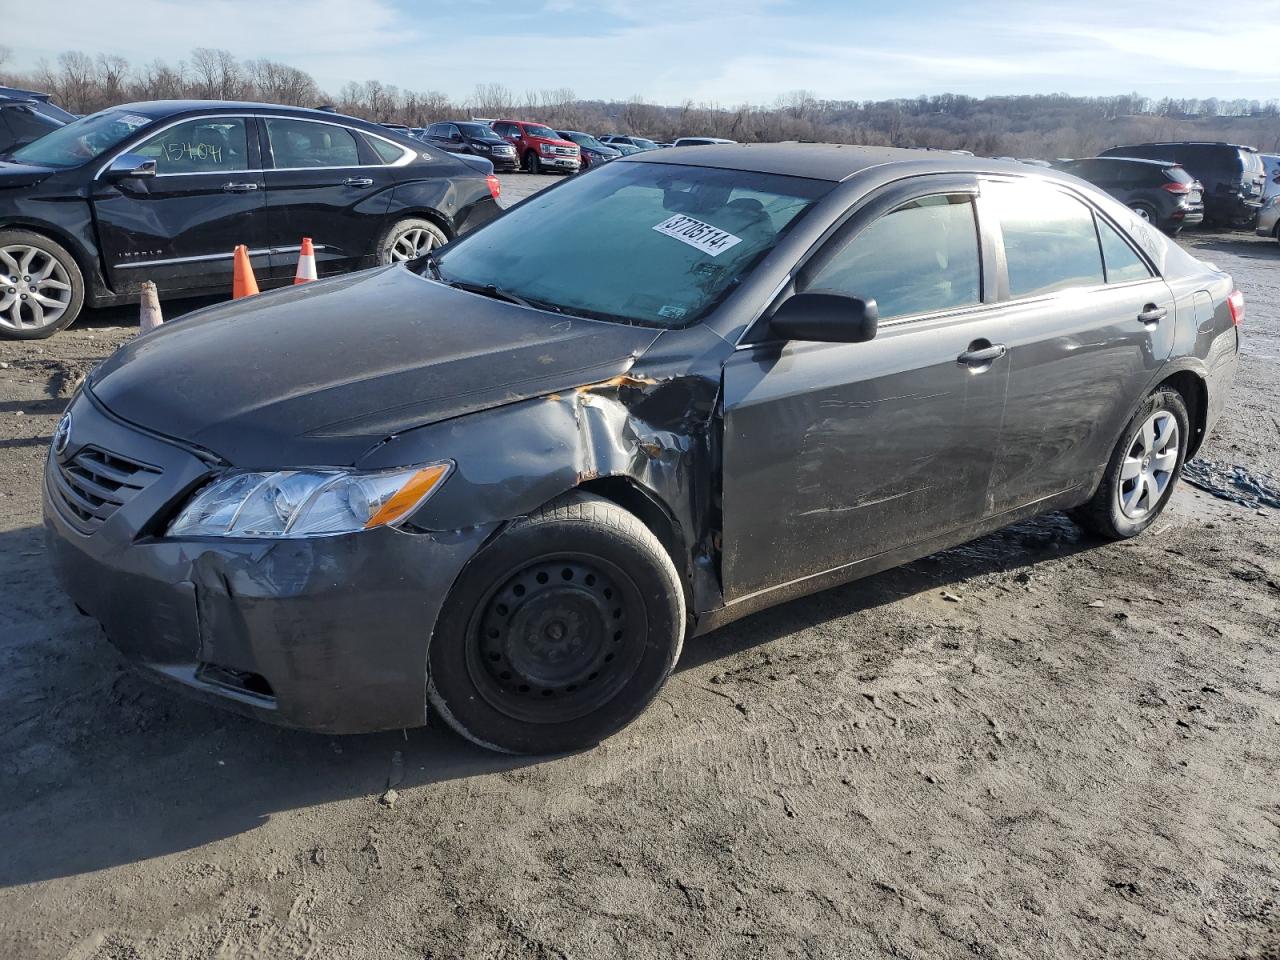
[411, 244]
[35, 289]
[1148, 466]
[557, 639]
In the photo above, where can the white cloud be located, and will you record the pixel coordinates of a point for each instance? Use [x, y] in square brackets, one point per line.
[730, 51]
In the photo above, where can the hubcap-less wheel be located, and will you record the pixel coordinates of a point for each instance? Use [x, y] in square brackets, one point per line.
[557, 639]
[35, 290]
[1148, 467]
[411, 244]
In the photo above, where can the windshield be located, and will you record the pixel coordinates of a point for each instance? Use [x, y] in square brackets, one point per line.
[586, 140]
[477, 131]
[538, 130]
[644, 144]
[646, 243]
[84, 140]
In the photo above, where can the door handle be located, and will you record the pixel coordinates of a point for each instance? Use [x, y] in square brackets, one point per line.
[1152, 314]
[358, 182]
[239, 187]
[977, 356]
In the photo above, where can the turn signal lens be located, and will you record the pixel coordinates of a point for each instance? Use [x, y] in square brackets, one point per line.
[404, 500]
[1236, 303]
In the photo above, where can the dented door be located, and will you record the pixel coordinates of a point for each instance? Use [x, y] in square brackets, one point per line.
[837, 452]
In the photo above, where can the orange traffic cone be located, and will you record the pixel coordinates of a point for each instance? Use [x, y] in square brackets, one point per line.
[306, 263]
[243, 282]
[150, 314]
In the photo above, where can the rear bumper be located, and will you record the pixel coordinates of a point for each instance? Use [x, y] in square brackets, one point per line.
[327, 634]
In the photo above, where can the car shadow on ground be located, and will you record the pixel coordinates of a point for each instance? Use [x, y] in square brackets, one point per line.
[101, 768]
[1241, 244]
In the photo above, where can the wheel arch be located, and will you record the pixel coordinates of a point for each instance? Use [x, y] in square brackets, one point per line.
[86, 260]
[1195, 394]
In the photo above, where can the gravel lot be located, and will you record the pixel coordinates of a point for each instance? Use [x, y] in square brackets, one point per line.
[1077, 757]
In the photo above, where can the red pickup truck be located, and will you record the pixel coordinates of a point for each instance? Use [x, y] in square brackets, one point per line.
[539, 147]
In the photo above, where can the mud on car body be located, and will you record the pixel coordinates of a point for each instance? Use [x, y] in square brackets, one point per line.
[727, 377]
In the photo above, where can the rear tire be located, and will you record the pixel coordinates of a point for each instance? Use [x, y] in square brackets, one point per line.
[1144, 212]
[1143, 469]
[409, 239]
[41, 287]
[558, 633]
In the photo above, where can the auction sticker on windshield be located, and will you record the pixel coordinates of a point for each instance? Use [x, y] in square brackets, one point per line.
[703, 236]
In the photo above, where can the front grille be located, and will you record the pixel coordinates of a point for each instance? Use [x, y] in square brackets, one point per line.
[566, 151]
[93, 484]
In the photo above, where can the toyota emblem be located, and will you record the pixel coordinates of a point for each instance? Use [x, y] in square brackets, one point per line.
[62, 435]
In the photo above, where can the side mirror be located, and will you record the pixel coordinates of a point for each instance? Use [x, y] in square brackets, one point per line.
[129, 165]
[826, 315]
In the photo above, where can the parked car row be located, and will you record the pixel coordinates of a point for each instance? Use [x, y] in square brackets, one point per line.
[535, 147]
[165, 191]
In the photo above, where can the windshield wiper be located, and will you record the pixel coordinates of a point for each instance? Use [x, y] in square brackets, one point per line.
[497, 293]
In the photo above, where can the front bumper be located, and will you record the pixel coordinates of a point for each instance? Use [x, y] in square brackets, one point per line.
[327, 634]
[559, 163]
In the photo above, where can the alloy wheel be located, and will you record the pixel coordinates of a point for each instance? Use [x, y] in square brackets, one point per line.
[35, 289]
[557, 639]
[1148, 467]
[1142, 213]
[411, 244]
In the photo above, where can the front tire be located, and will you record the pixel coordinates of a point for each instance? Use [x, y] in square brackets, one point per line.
[41, 287]
[558, 633]
[1143, 469]
[534, 164]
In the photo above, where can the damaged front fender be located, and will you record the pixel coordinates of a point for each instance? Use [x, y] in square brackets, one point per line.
[655, 430]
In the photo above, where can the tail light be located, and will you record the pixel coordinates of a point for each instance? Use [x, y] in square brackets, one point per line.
[1174, 186]
[495, 188]
[1236, 303]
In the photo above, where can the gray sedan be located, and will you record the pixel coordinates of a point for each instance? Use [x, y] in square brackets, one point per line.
[509, 480]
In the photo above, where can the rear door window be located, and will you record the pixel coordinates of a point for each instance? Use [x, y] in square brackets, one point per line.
[306, 144]
[921, 257]
[208, 145]
[1121, 260]
[1050, 241]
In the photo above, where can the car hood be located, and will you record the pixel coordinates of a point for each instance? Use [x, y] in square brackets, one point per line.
[22, 174]
[319, 373]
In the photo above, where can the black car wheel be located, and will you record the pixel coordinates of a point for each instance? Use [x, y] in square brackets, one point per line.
[534, 164]
[1144, 212]
[41, 287]
[1143, 469]
[560, 632]
[409, 239]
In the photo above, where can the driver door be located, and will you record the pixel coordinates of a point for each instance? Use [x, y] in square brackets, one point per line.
[837, 452]
[180, 228]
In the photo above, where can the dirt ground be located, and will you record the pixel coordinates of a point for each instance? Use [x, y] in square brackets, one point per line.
[1077, 756]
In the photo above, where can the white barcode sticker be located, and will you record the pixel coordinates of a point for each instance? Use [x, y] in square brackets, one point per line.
[703, 236]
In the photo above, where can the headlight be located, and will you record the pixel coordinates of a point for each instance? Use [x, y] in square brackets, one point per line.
[306, 503]
[547, 148]
[482, 146]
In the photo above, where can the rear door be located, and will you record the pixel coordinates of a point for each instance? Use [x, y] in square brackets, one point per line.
[180, 227]
[326, 181]
[836, 452]
[1089, 324]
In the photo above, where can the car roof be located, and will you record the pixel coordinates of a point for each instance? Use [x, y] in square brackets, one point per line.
[825, 161]
[1186, 143]
[17, 93]
[1146, 160]
[171, 108]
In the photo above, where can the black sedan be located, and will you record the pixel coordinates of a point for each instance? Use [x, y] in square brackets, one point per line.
[510, 479]
[475, 138]
[166, 190]
[594, 153]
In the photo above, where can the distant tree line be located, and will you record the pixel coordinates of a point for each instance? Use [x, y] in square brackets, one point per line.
[1054, 125]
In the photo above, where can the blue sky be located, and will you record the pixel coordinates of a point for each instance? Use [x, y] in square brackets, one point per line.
[725, 51]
